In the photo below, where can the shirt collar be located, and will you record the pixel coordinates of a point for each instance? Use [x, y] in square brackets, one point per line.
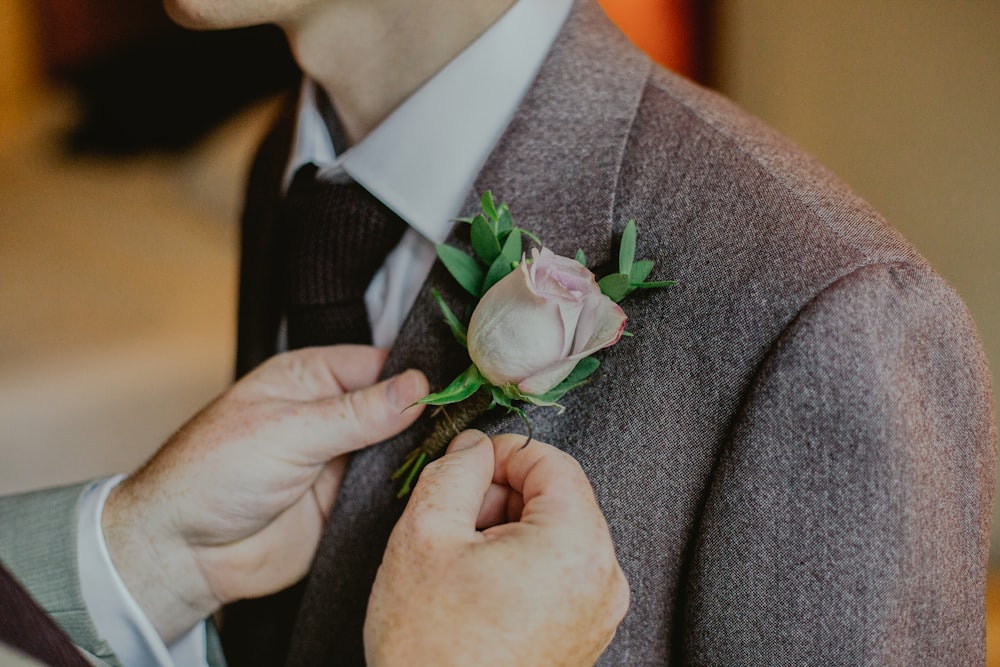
[423, 159]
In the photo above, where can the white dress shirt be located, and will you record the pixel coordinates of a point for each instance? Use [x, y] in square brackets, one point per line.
[421, 162]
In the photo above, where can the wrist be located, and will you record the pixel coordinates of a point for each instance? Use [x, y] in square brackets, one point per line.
[155, 563]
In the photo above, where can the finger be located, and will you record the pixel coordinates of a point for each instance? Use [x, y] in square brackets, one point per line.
[494, 507]
[545, 478]
[500, 505]
[320, 372]
[354, 366]
[449, 493]
[360, 418]
[327, 484]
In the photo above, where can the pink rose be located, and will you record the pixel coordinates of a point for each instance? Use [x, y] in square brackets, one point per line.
[532, 327]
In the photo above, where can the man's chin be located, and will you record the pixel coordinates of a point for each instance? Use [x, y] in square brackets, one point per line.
[202, 14]
[181, 14]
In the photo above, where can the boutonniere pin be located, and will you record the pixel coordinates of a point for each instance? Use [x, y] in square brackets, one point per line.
[537, 321]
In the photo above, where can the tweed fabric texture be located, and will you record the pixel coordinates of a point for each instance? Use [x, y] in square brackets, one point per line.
[795, 450]
[25, 625]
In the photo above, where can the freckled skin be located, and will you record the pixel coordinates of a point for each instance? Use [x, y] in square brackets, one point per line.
[232, 506]
[537, 584]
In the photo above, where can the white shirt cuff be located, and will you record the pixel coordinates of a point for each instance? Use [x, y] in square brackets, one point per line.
[116, 615]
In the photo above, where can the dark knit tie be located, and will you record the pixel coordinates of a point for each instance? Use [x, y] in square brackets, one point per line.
[339, 236]
[25, 626]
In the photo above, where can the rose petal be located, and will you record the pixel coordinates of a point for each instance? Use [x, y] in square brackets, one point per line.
[548, 378]
[601, 325]
[513, 333]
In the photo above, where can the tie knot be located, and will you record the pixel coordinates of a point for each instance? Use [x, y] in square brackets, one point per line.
[339, 236]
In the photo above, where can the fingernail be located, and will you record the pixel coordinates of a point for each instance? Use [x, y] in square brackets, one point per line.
[404, 390]
[466, 440]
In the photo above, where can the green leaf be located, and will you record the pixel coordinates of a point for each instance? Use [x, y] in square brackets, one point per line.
[626, 253]
[461, 388]
[531, 236]
[506, 262]
[541, 400]
[615, 286]
[640, 271]
[505, 223]
[489, 208]
[580, 257]
[463, 268]
[484, 241]
[581, 372]
[457, 328]
[498, 271]
[501, 397]
[512, 247]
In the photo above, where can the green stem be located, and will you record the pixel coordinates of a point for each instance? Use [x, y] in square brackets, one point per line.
[449, 421]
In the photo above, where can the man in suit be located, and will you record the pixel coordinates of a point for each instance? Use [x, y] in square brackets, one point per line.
[795, 451]
[232, 507]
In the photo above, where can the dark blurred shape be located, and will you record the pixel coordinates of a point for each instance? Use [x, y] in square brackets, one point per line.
[166, 93]
[145, 84]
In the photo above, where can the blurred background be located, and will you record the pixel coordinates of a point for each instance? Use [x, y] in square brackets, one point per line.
[124, 142]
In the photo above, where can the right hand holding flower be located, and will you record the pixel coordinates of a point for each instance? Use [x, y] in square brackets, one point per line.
[539, 585]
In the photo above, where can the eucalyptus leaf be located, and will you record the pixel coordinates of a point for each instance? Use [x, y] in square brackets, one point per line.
[615, 286]
[531, 236]
[640, 271]
[461, 388]
[501, 398]
[580, 257]
[512, 247]
[498, 270]
[505, 222]
[626, 252]
[578, 377]
[489, 208]
[542, 403]
[457, 328]
[464, 269]
[484, 241]
[655, 284]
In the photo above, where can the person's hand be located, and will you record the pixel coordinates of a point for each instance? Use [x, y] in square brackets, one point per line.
[233, 505]
[539, 585]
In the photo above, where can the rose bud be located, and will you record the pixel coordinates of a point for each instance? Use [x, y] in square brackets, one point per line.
[534, 325]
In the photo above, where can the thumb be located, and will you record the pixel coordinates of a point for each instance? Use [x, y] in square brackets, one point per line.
[344, 423]
[449, 493]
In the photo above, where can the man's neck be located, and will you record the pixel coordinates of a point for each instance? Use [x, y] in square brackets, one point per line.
[370, 55]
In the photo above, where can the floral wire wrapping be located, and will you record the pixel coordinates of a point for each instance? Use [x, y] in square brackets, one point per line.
[533, 331]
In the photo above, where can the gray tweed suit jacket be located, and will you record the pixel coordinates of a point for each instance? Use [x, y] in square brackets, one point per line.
[795, 451]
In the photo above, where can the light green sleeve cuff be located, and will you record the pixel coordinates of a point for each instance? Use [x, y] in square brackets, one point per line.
[38, 546]
[38, 539]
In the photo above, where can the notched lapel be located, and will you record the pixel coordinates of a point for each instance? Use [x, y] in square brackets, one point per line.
[558, 162]
[557, 165]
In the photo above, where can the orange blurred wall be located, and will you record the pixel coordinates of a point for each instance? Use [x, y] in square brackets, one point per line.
[665, 29]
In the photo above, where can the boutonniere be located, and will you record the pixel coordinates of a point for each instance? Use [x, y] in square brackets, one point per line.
[538, 319]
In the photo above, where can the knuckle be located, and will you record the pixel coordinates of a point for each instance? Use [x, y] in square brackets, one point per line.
[621, 596]
[358, 408]
[420, 531]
